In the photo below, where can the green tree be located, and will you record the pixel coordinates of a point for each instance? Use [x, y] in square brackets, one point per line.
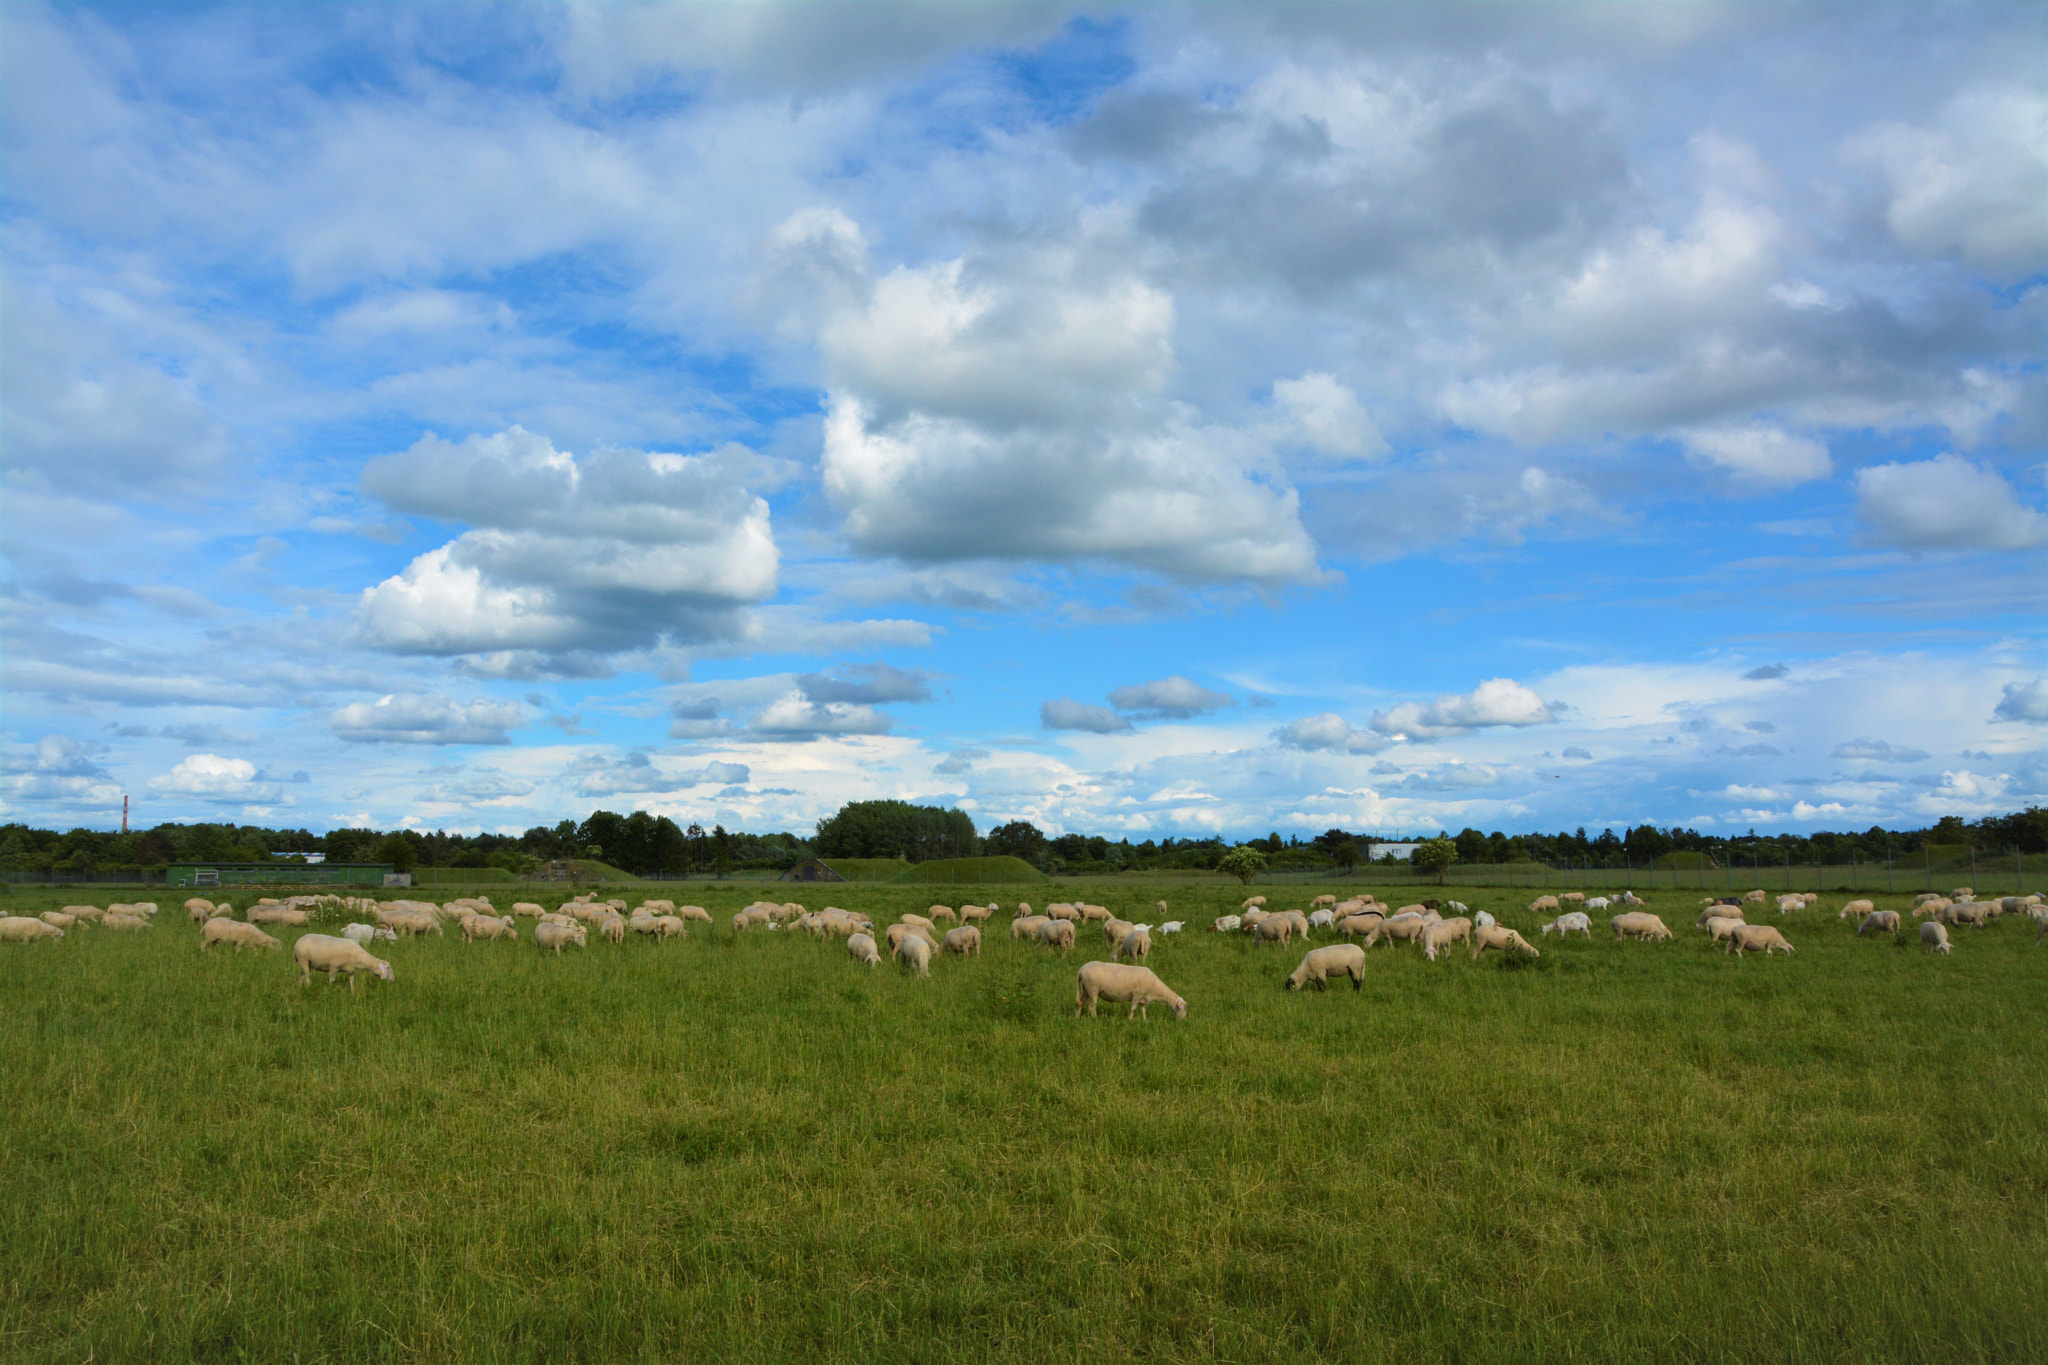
[396, 850]
[1018, 839]
[1435, 855]
[1344, 853]
[721, 850]
[1243, 862]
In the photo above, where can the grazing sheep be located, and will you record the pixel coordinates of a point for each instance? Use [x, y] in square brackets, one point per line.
[1322, 919]
[1542, 903]
[1637, 924]
[915, 952]
[1026, 926]
[1720, 927]
[475, 927]
[903, 929]
[1092, 914]
[57, 919]
[1938, 907]
[861, 948]
[1756, 897]
[20, 929]
[1159, 907]
[613, 928]
[1717, 911]
[668, 927]
[1273, 929]
[692, 912]
[1113, 931]
[1172, 926]
[1344, 959]
[1056, 933]
[1060, 910]
[1023, 908]
[1252, 903]
[962, 942]
[1252, 919]
[1631, 898]
[571, 919]
[1962, 893]
[1482, 920]
[1856, 908]
[278, 914]
[199, 909]
[1398, 929]
[367, 934]
[559, 936]
[1885, 921]
[323, 953]
[1974, 913]
[1787, 904]
[1571, 896]
[1934, 936]
[1320, 902]
[234, 931]
[1135, 944]
[971, 914]
[1359, 925]
[1119, 982]
[1227, 924]
[1598, 903]
[1745, 937]
[1577, 922]
[1501, 937]
[110, 920]
[939, 912]
[1443, 934]
[740, 922]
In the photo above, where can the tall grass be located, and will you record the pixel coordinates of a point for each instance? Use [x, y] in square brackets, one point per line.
[746, 1147]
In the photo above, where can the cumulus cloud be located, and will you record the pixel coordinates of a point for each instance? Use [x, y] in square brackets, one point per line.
[1583, 755]
[1325, 417]
[1451, 778]
[1974, 183]
[798, 717]
[425, 718]
[866, 684]
[637, 773]
[1767, 673]
[616, 550]
[698, 719]
[62, 771]
[211, 777]
[1330, 731]
[1174, 698]
[1946, 503]
[1013, 406]
[1877, 751]
[1760, 455]
[1064, 713]
[1497, 701]
[2024, 702]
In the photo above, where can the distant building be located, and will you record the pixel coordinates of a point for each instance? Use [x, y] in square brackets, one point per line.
[1398, 852]
[811, 870]
[292, 873]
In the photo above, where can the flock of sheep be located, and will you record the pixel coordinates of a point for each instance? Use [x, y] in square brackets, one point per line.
[914, 940]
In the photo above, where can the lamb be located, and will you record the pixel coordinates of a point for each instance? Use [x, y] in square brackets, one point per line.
[1856, 908]
[1344, 959]
[1227, 924]
[1135, 944]
[862, 949]
[1745, 937]
[963, 942]
[1459, 906]
[1273, 929]
[566, 919]
[1159, 907]
[235, 932]
[1934, 936]
[1962, 893]
[1937, 907]
[199, 909]
[1056, 933]
[1638, 924]
[1721, 927]
[559, 936]
[1023, 909]
[1542, 903]
[21, 929]
[1884, 920]
[915, 951]
[323, 953]
[1172, 926]
[1118, 982]
[367, 934]
[1501, 937]
[1443, 934]
[1252, 919]
[740, 922]
[1598, 903]
[1113, 931]
[475, 927]
[1026, 926]
[1577, 922]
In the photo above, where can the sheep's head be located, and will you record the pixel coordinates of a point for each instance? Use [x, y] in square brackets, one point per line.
[384, 971]
[1180, 1008]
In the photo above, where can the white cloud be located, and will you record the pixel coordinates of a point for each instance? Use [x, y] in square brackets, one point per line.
[1064, 713]
[1761, 455]
[1946, 503]
[796, 716]
[210, 776]
[1326, 417]
[1174, 698]
[1329, 731]
[1497, 701]
[612, 551]
[1877, 751]
[2024, 701]
[1973, 185]
[421, 718]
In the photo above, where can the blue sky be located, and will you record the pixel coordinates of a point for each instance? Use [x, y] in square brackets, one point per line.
[1141, 421]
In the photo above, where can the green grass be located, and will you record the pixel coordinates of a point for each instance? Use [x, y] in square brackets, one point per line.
[743, 1147]
[997, 871]
[865, 869]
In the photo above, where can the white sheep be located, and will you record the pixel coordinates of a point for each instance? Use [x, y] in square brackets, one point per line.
[1482, 920]
[1343, 959]
[963, 942]
[234, 931]
[366, 934]
[614, 929]
[1363, 923]
[1744, 937]
[1885, 921]
[1934, 935]
[915, 951]
[560, 936]
[1501, 937]
[1638, 924]
[1631, 898]
[1134, 945]
[740, 922]
[1322, 901]
[1322, 919]
[1026, 926]
[1398, 929]
[475, 927]
[1722, 927]
[1056, 933]
[862, 949]
[1252, 902]
[21, 929]
[1598, 903]
[57, 919]
[1227, 924]
[110, 920]
[1113, 930]
[323, 953]
[1119, 982]
[901, 930]
[199, 909]
[1172, 926]
[1856, 908]
[1273, 929]
[1441, 935]
[1542, 903]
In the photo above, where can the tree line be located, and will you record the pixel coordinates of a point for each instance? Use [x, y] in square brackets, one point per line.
[645, 844]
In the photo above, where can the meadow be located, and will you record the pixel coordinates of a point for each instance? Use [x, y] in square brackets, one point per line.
[745, 1147]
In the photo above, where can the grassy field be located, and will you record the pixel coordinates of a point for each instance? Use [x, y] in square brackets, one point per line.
[744, 1147]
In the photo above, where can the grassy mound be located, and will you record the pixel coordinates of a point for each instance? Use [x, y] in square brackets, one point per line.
[865, 869]
[1002, 871]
